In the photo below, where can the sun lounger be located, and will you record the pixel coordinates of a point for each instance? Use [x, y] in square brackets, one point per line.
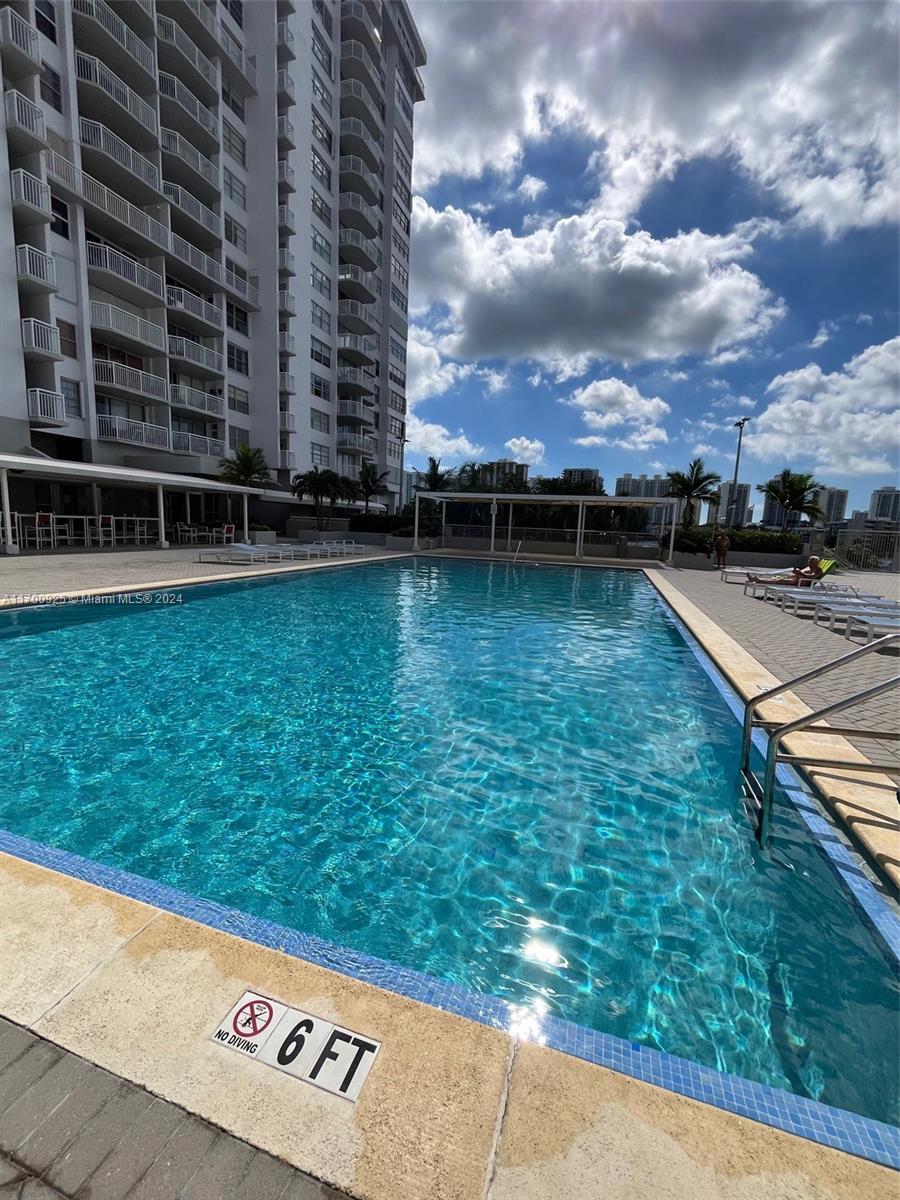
[742, 572]
[842, 610]
[794, 601]
[871, 625]
[238, 554]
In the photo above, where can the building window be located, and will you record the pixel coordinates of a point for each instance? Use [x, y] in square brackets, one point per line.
[238, 359]
[324, 15]
[320, 421]
[234, 143]
[72, 393]
[321, 317]
[395, 375]
[236, 8]
[321, 245]
[51, 87]
[320, 208]
[321, 132]
[319, 454]
[394, 449]
[395, 426]
[396, 401]
[398, 349]
[319, 387]
[237, 437]
[236, 318]
[321, 51]
[232, 99]
[233, 188]
[401, 217]
[60, 222]
[320, 168]
[319, 280]
[320, 352]
[404, 192]
[67, 343]
[404, 166]
[235, 233]
[45, 19]
[321, 92]
[238, 399]
[399, 245]
[398, 299]
[400, 271]
[403, 103]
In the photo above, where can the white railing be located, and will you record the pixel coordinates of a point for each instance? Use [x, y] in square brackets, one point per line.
[287, 422]
[351, 49]
[188, 397]
[358, 310]
[120, 429]
[92, 70]
[355, 90]
[355, 441]
[286, 382]
[357, 343]
[285, 84]
[286, 175]
[110, 316]
[354, 127]
[100, 138]
[347, 273]
[117, 29]
[195, 352]
[352, 164]
[174, 143]
[188, 302]
[34, 264]
[287, 343]
[46, 406]
[285, 37]
[869, 549]
[113, 374]
[243, 287]
[286, 130]
[38, 335]
[196, 443]
[204, 15]
[174, 89]
[355, 409]
[95, 193]
[287, 460]
[286, 261]
[15, 31]
[104, 258]
[356, 377]
[168, 31]
[28, 189]
[189, 203]
[287, 301]
[196, 258]
[355, 201]
[356, 11]
[352, 237]
[286, 218]
[23, 114]
[244, 63]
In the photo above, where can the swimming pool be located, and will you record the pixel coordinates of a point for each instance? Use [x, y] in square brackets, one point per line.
[517, 779]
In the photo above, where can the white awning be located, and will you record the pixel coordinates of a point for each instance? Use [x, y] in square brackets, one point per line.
[534, 498]
[101, 473]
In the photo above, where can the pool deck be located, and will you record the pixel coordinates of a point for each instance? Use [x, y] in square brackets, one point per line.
[452, 1109]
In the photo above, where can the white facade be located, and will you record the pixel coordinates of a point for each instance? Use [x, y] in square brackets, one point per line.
[588, 476]
[653, 485]
[199, 205]
[884, 504]
[493, 474]
[833, 502]
[743, 510]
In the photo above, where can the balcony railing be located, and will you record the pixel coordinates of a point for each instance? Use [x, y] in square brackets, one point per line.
[129, 379]
[196, 353]
[244, 288]
[353, 11]
[16, 32]
[196, 443]
[355, 93]
[23, 115]
[98, 137]
[120, 429]
[284, 41]
[287, 302]
[92, 70]
[178, 298]
[287, 343]
[244, 63]
[188, 397]
[28, 189]
[287, 422]
[354, 379]
[353, 166]
[286, 218]
[350, 277]
[353, 202]
[355, 442]
[118, 30]
[189, 204]
[286, 176]
[35, 266]
[39, 338]
[354, 240]
[353, 52]
[174, 89]
[287, 460]
[196, 258]
[353, 310]
[206, 16]
[95, 193]
[46, 406]
[104, 258]
[353, 127]
[286, 382]
[286, 132]
[286, 262]
[285, 86]
[355, 410]
[109, 316]
[354, 344]
[174, 143]
[168, 31]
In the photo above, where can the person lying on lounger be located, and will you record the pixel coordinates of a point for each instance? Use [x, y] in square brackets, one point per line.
[799, 577]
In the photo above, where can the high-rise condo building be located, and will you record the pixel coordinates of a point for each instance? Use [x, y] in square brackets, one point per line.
[833, 502]
[884, 504]
[587, 477]
[741, 512]
[500, 471]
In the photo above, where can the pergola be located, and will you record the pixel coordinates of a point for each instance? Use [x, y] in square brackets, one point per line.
[58, 469]
[583, 503]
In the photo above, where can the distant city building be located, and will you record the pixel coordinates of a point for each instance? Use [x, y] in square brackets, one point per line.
[884, 504]
[494, 474]
[833, 502]
[656, 485]
[409, 486]
[773, 512]
[587, 477]
[743, 510]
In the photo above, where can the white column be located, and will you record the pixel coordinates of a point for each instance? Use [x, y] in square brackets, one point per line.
[161, 515]
[8, 547]
[416, 525]
[509, 529]
[187, 508]
[493, 523]
[579, 534]
[673, 510]
[443, 520]
[246, 520]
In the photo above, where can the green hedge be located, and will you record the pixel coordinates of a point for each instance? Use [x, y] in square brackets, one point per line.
[694, 540]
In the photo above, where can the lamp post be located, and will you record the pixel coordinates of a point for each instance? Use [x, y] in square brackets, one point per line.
[729, 516]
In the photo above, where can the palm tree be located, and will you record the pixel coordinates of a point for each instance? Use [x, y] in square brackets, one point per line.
[320, 486]
[370, 483]
[694, 486]
[795, 492]
[434, 479]
[469, 476]
[247, 469]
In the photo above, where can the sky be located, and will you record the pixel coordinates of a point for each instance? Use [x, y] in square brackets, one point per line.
[635, 223]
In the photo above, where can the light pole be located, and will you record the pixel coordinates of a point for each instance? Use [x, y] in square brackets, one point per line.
[729, 516]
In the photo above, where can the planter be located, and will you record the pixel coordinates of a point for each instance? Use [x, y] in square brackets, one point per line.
[693, 562]
[262, 537]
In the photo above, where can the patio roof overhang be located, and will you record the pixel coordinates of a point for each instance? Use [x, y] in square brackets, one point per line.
[532, 498]
[100, 473]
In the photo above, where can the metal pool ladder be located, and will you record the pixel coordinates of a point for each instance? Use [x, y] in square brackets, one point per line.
[758, 792]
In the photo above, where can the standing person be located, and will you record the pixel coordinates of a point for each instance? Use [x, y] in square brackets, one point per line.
[722, 545]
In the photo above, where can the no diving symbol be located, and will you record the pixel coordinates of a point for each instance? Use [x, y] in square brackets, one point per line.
[252, 1018]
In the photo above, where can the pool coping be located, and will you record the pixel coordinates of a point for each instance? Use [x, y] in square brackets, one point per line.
[823, 1124]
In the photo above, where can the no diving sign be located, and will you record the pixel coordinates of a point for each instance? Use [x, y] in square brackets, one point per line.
[300, 1044]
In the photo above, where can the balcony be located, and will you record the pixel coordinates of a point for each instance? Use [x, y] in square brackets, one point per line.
[202, 360]
[286, 262]
[356, 213]
[356, 284]
[193, 311]
[35, 270]
[25, 130]
[287, 422]
[178, 102]
[287, 460]
[111, 98]
[246, 289]
[287, 222]
[243, 80]
[179, 54]
[203, 268]
[286, 177]
[40, 341]
[287, 138]
[120, 429]
[128, 381]
[109, 210]
[356, 317]
[355, 443]
[356, 23]
[19, 50]
[358, 101]
[187, 165]
[284, 88]
[286, 383]
[98, 26]
[285, 8]
[123, 328]
[191, 208]
[30, 197]
[354, 411]
[356, 177]
[47, 409]
[196, 401]
[284, 43]
[287, 302]
[196, 443]
[354, 382]
[122, 275]
[355, 247]
[356, 349]
[287, 343]
[358, 63]
[356, 139]
[102, 150]
[201, 23]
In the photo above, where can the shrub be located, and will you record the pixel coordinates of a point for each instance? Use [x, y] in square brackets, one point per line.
[259, 528]
[699, 540]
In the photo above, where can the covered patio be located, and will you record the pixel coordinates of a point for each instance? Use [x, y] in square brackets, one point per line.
[78, 514]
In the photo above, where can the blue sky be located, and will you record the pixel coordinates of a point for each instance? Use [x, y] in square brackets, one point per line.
[638, 222]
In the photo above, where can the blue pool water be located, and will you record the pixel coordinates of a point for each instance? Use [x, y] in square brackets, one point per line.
[517, 779]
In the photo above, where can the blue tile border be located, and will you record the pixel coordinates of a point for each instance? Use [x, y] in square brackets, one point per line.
[820, 1123]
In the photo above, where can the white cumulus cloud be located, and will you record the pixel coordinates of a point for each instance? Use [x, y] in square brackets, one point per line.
[531, 187]
[526, 450]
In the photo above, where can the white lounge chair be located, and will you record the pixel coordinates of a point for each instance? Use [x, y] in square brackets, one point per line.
[239, 553]
[794, 601]
[727, 572]
[871, 625]
[842, 610]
